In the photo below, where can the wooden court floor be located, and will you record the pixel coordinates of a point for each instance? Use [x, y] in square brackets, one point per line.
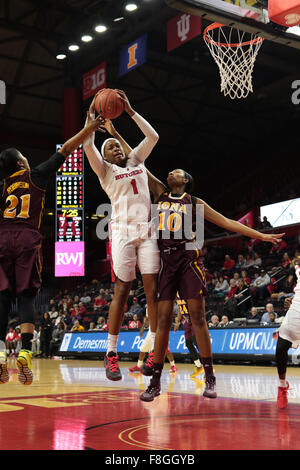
[71, 406]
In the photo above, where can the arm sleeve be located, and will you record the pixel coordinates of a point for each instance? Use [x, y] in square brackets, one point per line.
[143, 150]
[98, 165]
[41, 173]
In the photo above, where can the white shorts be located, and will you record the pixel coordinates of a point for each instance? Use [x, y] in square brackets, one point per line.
[147, 343]
[290, 327]
[127, 253]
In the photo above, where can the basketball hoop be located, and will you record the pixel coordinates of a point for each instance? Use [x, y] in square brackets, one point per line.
[234, 52]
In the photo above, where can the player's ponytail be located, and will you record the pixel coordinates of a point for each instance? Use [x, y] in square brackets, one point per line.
[189, 187]
[8, 162]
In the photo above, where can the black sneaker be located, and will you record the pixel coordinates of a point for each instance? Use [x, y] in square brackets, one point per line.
[150, 393]
[210, 387]
[147, 367]
[111, 365]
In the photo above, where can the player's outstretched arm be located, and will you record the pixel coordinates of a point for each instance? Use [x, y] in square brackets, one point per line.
[98, 165]
[73, 143]
[233, 226]
[143, 150]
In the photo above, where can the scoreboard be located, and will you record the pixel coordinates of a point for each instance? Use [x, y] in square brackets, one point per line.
[69, 216]
[69, 198]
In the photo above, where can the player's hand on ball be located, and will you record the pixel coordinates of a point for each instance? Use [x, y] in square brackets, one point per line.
[127, 105]
[95, 124]
[273, 238]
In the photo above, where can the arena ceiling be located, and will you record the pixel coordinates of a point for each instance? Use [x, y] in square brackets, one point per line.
[218, 140]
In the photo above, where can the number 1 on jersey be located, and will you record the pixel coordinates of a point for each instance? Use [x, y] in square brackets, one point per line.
[134, 186]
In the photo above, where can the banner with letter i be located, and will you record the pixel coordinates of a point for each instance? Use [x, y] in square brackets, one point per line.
[182, 29]
[133, 55]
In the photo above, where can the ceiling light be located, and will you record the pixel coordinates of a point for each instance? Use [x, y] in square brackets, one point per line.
[61, 56]
[131, 7]
[100, 28]
[120, 18]
[86, 38]
[73, 47]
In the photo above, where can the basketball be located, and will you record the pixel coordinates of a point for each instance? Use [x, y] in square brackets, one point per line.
[109, 104]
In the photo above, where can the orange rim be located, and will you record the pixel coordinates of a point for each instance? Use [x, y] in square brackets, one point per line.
[213, 26]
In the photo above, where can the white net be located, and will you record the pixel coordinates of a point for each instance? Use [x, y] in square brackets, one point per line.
[234, 52]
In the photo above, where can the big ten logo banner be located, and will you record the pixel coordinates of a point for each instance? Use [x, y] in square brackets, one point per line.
[133, 55]
[69, 259]
[93, 81]
[182, 29]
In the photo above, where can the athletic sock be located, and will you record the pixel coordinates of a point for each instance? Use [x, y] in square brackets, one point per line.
[197, 363]
[112, 343]
[208, 366]
[27, 340]
[172, 363]
[140, 363]
[152, 340]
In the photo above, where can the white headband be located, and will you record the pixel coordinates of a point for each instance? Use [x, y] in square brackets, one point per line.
[105, 142]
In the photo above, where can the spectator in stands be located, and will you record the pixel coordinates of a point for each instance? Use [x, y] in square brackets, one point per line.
[242, 297]
[91, 326]
[46, 335]
[10, 341]
[288, 289]
[264, 223]
[99, 302]
[254, 315]
[77, 326]
[257, 261]
[279, 248]
[86, 298]
[228, 263]
[60, 318]
[236, 278]
[296, 256]
[249, 262]
[221, 288]
[82, 309]
[269, 311]
[245, 277]
[215, 279]
[232, 289]
[36, 340]
[214, 321]
[57, 336]
[224, 321]
[134, 323]
[259, 289]
[101, 324]
[240, 262]
[135, 307]
[53, 312]
[286, 262]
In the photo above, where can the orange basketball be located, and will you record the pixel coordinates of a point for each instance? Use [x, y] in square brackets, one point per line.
[109, 104]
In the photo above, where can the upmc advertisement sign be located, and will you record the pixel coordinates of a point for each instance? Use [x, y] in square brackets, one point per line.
[69, 259]
[244, 341]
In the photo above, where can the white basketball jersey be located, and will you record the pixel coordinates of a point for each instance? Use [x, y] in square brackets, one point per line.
[128, 191]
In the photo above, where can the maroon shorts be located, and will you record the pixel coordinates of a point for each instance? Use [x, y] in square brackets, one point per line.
[20, 260]
[181, 271]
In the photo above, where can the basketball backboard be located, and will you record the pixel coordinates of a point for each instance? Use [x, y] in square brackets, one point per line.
[247, 15]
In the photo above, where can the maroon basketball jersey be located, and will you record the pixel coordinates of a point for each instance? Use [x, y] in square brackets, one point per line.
[175, 220]
[21, 202]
